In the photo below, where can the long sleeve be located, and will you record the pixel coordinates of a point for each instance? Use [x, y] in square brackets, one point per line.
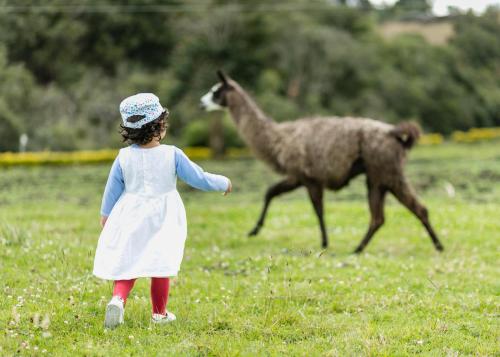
[194, 175]
[114, 188]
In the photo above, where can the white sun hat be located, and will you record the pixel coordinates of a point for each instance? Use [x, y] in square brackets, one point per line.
[146, 105]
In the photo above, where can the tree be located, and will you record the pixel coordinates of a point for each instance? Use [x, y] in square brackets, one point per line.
[16, 88]
[413, 6]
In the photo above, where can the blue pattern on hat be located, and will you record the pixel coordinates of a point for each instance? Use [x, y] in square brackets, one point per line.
[146, 104]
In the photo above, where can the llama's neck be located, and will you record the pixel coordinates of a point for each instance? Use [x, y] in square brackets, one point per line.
[259, 132]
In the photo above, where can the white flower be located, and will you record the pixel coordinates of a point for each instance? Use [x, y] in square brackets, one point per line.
[15, 315]
[45, 322]
[36, 319]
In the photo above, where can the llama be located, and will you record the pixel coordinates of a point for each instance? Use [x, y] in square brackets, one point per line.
[325, 153]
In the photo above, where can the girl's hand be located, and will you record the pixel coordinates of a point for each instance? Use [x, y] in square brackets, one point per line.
[103, 220]
[229, 188]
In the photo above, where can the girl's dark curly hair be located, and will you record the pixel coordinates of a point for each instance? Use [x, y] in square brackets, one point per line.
[147, 132]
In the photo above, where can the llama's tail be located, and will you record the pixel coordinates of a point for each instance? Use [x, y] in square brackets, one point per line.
[407, 133]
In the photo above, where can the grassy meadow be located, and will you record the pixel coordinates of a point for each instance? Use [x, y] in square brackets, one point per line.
[274, 294]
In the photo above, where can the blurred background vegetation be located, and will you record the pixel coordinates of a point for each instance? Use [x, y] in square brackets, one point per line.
[65, 66]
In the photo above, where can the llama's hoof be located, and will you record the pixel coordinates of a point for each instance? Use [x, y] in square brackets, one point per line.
[254, 232]
[358, 251]
[320, 254]
[439, 248]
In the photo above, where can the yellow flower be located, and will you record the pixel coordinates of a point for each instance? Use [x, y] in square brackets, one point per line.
[431, 139]
[93, 157]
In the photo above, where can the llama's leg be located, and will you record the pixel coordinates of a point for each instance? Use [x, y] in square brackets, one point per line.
[316, 195]
[281, 187]
[376, 198]
[405, 195]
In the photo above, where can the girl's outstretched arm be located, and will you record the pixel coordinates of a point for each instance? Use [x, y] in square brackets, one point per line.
[194, 175]
[114, 188]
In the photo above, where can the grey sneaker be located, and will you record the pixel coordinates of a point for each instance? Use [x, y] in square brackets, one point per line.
[114, 313]
[163, 319]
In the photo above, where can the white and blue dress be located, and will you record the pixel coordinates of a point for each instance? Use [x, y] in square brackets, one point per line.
[146, 229]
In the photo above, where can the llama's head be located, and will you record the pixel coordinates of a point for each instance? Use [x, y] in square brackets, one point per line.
[216, 98]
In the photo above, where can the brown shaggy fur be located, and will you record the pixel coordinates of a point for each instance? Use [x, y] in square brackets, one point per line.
[327, 152]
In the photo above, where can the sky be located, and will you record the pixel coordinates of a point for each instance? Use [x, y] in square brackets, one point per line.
[440, 7]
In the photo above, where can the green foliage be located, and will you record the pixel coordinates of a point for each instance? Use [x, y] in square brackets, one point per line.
[9, 130]
[477, 47]
[65, 69]
[16, 94]
[407, 9]
[418, 6]
[197, 133]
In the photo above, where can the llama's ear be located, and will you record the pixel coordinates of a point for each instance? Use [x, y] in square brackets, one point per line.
[222, 76]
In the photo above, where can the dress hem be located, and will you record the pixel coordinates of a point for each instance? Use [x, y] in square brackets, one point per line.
[135, 276]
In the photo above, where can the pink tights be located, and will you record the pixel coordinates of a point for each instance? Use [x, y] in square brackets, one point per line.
[159, 292]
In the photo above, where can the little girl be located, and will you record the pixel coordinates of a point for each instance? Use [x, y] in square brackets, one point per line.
[143, 218]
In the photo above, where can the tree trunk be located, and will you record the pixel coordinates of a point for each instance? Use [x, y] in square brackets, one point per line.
[217, 135]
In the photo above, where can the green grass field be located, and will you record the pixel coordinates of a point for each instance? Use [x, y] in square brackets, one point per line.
[275, 294]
